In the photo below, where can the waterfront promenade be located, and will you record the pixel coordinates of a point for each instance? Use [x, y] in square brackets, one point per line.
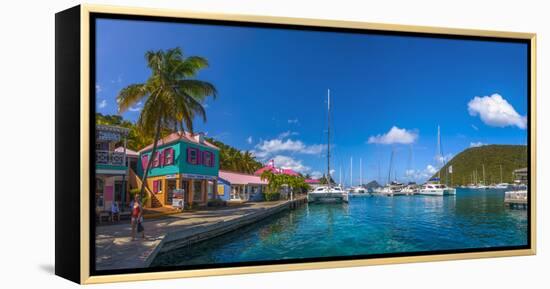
[116, 250]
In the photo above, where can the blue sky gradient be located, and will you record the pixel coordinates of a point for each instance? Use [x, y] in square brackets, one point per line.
[272, 86]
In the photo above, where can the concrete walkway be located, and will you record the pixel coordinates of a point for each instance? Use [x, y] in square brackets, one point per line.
[116, 250]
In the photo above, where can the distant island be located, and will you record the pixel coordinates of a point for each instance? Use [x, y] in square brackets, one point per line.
[471, 162]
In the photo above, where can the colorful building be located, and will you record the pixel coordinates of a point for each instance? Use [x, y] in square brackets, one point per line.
[272, 168]
[111, 167]
[182, 161]
[234, 186]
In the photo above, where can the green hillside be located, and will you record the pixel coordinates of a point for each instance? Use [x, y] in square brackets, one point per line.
[466, 163]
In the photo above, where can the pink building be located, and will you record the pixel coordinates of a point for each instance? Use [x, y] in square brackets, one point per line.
[271, 167]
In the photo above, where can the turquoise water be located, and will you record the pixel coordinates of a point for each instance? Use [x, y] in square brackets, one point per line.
[367, 225]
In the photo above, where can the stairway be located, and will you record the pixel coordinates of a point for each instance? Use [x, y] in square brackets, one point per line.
[136, 182]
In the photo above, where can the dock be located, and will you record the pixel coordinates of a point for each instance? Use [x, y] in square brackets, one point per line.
[116, 250]
[516, 199]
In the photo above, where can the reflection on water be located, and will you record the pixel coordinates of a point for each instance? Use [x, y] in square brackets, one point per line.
[367, 225]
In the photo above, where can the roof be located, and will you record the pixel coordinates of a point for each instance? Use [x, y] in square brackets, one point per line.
[129, 152]
[275, 170]
[182, 136]
[240, 178]
[312, 181]
[112, 128]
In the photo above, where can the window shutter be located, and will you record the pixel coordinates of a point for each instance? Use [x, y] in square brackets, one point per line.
[144, 161]
[169, 156]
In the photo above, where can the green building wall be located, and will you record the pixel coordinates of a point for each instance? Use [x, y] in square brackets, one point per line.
[180, 164]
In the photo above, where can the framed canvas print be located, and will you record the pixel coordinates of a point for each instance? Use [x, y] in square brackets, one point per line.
[195, 144]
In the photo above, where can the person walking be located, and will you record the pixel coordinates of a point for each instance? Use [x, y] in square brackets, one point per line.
[137, 218]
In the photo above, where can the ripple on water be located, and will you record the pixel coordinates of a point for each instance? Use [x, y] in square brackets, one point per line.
[367, 225]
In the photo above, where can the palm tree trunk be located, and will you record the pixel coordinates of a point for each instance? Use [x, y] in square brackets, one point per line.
[151, 159]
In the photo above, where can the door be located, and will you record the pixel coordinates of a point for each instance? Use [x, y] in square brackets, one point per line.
[171, 185]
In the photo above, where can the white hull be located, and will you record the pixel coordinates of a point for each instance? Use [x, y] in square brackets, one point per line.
[325, 194]
[438, 192]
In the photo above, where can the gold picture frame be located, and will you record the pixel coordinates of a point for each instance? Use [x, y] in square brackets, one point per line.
[82, 261]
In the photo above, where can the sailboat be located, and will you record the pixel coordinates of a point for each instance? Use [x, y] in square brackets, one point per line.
[433, 186]
[330, 192]
[501, 185]
[358, 189]
[392, 188]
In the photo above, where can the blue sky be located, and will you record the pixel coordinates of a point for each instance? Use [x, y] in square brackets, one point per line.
[387, 92]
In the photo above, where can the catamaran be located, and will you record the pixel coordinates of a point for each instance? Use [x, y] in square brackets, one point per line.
[433, 186]
[328, 193]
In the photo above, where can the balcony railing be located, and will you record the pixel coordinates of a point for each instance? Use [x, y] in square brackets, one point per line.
[110, 158]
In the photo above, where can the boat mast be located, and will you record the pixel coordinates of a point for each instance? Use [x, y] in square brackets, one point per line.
[351, 171]
[361, 172]
[501, 174]
[391, 166]
[328, 138]
[438, 154]
[483, 167]
[340, 175]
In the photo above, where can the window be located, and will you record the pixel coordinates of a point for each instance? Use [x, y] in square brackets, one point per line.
[193, 156]
[208, 159]
[99, 183]
[197, 191]
[210, 189]
[168, 156]
[157, 186]
[156, 160]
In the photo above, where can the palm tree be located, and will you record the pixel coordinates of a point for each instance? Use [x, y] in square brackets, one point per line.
[248, 162]
[171, 96]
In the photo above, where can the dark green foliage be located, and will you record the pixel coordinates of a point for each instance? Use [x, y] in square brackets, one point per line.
[510, 157]
[272, 196]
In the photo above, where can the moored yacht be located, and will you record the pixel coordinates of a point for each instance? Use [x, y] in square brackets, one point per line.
[392, 189]
[434, 188]
[326, 194]
[410, 189]
[358, 190]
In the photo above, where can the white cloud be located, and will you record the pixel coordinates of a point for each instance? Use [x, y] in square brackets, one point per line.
[137, 107]
[102, 104]
[286, 162]
[495, 111]
[430, 170]
[270, 147]
[475, 127]
[316, 174]
[395, 136]
[477, 144]
[293, 121]
[287, 134]
[98, 88]
[249, 140]
[444, 158]
[118, 79]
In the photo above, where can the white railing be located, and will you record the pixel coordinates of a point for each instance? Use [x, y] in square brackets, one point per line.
[110, 158]
[516, 195]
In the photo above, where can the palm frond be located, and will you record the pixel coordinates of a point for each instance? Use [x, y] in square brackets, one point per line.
[130, 95]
